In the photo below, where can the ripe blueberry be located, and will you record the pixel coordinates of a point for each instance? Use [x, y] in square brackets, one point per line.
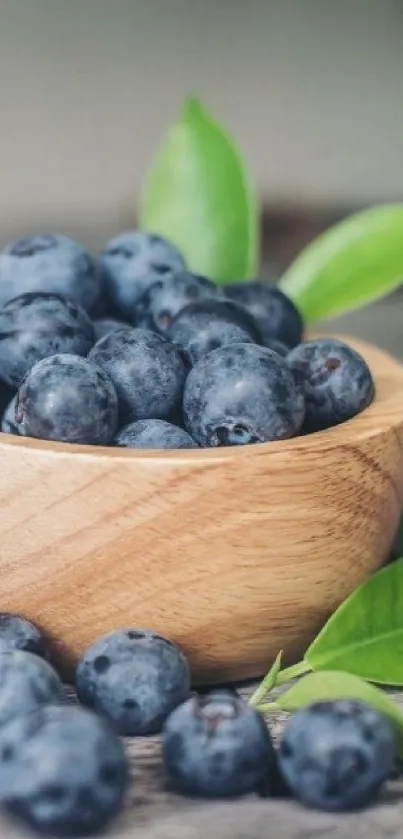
[336, 755]
[336, 381]
[275, 313]
[134, 678]
[37, 325]
[67, 398]
[62, 771]
[166, 297]
[147, 370]
[50, 264]
[8, 421]
[27, 682]
[153, 434]
[217, 746]
[242, 394]
[132, 262]
[17, 633]
[206, 325]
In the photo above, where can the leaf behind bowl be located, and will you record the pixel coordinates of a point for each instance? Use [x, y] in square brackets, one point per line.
[352, 263]
[198, 195]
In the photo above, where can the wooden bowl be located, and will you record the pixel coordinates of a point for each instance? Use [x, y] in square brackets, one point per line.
[233, 553]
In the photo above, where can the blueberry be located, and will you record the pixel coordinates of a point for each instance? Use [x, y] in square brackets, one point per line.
[165, 298]
[133, 261]
[67, 398]
[134, 678]
[62, 771]
[336, 755]
[27, 682]
[103, 326]
[17, 633]
[336, 380]
[206, 325]
[35, 326]
[53, 264]
[154, 434]
[242, 394]
[217, 746]
[275, 313]
[8, 421]
[147, 370]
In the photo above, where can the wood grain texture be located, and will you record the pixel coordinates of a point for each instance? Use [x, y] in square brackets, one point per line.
[233, 553]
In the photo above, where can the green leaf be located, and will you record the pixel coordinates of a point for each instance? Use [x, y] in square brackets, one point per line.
[338, 685]
[197, 194]
[268, 683]
[365, 634]
[354, 262]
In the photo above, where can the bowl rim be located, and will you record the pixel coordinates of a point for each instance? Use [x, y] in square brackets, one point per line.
[367, 424]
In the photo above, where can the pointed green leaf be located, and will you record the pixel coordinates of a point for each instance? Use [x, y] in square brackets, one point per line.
[268, 683]
[354, 262]
[365, 634]
[197, 194]
[338, 685]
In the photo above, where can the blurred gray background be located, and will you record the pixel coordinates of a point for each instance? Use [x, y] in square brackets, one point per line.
[311, 90]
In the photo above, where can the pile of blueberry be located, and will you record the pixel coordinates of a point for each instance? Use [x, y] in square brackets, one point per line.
[63, 768]
[132, 349]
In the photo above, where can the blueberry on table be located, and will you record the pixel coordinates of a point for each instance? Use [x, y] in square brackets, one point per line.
[27, 682]
[275, 313]
[134, 678]
[51, 264]
[70, 399]
[103, 326]
[132, 261]
[242, 394]
[153, 434]
[207, 325]
[168, 296]
[216, 746]
[147, 370]
[336, 380]
[336, 755]
[8, 421]
[17, 633]
[63, 772]
[37, 325]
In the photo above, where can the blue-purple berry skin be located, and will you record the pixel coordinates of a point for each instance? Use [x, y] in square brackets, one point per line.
[27, 682]
[216, 746]
[132, 261]
[17, 633]
[134, 678]
[70, 399]
[335, 755]
[153, 434]
[336, 381]
[63, 772]
[36, 326]
[242, 394]
[207, 325]
[8, 421]
[276, 314]
[50, 264]
[158, 306]
[147, 370]
[104, 326]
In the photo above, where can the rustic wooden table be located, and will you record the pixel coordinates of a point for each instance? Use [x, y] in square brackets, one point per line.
[154, 812]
